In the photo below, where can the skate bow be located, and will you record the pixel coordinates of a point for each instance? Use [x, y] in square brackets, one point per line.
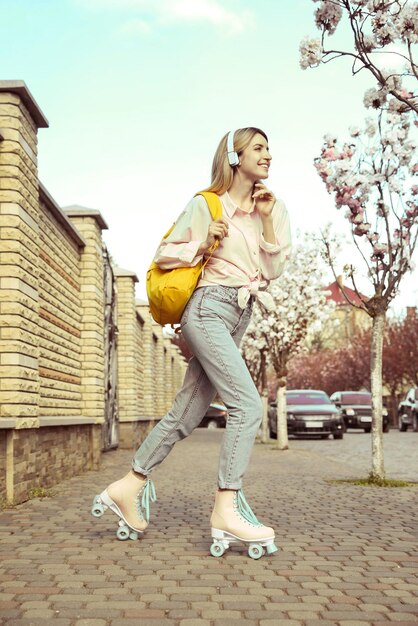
[244, 509]
[148, 494]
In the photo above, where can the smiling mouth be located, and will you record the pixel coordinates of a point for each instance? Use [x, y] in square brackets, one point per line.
[265, 165]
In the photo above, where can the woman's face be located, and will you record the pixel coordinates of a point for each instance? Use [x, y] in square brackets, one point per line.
[255, 159]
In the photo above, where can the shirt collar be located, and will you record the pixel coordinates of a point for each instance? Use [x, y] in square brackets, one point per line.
[231, 207]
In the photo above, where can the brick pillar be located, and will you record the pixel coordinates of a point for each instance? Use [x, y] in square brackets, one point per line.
[148, 408]
[20, 117]
[90, 224]
[127, 345]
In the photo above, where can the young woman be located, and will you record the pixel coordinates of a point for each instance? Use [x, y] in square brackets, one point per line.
[254, 242]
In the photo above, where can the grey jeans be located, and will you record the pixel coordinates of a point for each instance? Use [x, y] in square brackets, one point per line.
[213, 325]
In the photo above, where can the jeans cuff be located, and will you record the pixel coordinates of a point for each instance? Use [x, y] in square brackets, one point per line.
[140, 470]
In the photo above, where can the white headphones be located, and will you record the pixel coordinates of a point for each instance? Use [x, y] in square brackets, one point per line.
[233, 158]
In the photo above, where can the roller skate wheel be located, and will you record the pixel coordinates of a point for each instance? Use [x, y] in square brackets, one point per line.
[133, 535]
[97, 509]
[122, 533]
[255, 551]
[217, 549]
[271, 548]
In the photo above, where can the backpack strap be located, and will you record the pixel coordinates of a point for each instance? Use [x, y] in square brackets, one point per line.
[214, 203]
[215, 207]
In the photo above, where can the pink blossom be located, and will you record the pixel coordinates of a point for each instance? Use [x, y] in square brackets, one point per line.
[357, 218]
[330, 140]
[414, 190]
[328, 15]
[330, 154]
[347, 153]
[414, 168]
[374, 98]
[406, 94]
[354, 204]
[322, 168]
[373, 237]
[362, 229]
[310, 52]
[380, 249]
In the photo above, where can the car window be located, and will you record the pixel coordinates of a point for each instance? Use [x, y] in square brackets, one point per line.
[307, 397]
[356, 398]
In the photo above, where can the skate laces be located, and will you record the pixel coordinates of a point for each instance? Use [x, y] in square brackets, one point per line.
[144, 497]
[244, 509]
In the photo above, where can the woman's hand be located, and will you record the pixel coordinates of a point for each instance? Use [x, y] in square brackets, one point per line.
[217, 230]
[264, 199]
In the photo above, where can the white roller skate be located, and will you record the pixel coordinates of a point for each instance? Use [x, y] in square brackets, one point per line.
[233, 521]
[126, 530]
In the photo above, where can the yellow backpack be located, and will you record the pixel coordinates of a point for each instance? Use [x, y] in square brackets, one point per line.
[170, 290]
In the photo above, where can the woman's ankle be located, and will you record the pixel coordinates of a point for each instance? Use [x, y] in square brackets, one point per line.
[137, 475]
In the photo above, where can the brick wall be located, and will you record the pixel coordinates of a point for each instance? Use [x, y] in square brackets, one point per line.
[52, 325]
[60, 318]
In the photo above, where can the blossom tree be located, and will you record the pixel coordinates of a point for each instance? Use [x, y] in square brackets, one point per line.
[344, 367]
[371, 176]
[400, 357]
[300, 306]
[385, 29]
[372, 173]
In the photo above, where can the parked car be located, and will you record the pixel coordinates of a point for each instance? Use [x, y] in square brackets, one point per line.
[309, 412]
[356, 407]
[215, 416]
[408, 411]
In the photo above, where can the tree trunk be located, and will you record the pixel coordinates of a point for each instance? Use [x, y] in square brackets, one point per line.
[282, 439]
[264, 422]
[378, 470]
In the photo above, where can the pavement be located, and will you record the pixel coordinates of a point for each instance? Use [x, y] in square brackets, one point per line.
[348, 554]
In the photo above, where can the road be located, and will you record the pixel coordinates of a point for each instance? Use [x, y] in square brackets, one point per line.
[400, 452]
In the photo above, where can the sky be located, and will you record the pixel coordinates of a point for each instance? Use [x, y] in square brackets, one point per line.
[138, 94]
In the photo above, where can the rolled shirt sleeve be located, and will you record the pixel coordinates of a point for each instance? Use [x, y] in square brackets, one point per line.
[180, 248]
[273, 257]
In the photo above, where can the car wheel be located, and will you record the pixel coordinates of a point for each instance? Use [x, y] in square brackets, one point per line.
[386, 428]
[272, 435]
[324, 436]
[212, 424]
[415, 423]
[402, 427]
[338, 435]
[367, 430]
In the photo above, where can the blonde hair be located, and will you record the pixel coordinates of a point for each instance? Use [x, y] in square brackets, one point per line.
[222, 172]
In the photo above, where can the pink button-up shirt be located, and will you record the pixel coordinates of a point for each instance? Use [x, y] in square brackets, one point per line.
[243, 258]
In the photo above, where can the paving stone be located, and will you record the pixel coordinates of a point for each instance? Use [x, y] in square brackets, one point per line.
[90, 622]
[345, 557]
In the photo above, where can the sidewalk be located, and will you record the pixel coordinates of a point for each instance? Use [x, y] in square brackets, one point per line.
[348, 555]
